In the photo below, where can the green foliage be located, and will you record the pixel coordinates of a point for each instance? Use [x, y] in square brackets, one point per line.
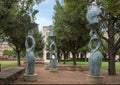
[111, 7]
[83, 49]
[39, 42]
[60, 28]
[23, 54]
[110, 19]
[39, 54]
[70, 24]
[8, 52]
[7, 14]
[12, 23]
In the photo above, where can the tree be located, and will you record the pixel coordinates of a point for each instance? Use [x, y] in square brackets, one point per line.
[59, 29]
[110, 20]
[111, 25]
[70, 21]
[7, 13]
[84, 50]
[11, 23]
[39, 42]
[8, 52]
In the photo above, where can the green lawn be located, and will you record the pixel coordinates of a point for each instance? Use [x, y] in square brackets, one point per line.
[104, 65]
[7, 63]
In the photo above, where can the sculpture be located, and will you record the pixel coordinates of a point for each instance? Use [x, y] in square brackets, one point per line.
[30, 45]
[95, 58]
[93, 12]
[28, 19]
[53, 50]
[53, 54]
[30, 42]
[51, 30]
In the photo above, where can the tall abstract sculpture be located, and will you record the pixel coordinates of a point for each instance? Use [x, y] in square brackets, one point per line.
[30, 57]
[95, 58]
[30, 46]
[53, 51]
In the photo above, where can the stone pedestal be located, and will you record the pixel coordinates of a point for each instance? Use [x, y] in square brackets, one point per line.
[30, 78]
[53, 70]
[94, 79]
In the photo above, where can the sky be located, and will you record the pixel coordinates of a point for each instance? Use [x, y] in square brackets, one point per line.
[45, 15]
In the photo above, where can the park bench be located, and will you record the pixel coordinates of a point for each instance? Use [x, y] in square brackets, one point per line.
[10, 75]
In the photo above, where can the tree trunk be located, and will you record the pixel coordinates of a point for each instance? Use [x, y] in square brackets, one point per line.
[58, 55]
[64, 61]
[77, 55]
[111, 67]
[74, 58]
[85, 56]
[119, 57]
[111, 49]
[18, 56]
[82, 56]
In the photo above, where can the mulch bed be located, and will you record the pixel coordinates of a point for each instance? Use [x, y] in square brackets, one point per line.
[66, 76]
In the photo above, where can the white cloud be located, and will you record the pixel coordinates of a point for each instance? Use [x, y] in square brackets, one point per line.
[46, 11]
[42, 21]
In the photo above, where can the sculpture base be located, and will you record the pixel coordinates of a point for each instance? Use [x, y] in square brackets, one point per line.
[30, 78]
[53, 70]
[94, 79]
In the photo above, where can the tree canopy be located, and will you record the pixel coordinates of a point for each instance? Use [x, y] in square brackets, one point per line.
[69, 26]
[12, 23]
[70, 21]
[110, 23]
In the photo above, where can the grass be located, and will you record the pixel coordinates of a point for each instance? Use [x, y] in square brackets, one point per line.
[7, 63]
[79, 63]
[118, 66]
[104, 65]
